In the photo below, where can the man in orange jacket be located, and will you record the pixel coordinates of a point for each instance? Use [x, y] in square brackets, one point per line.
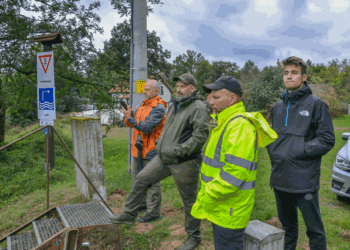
[147, 123]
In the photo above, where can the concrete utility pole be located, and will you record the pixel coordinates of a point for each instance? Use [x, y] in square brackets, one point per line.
[138, 58]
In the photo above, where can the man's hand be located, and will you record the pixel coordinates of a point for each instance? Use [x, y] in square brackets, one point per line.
[127, 113]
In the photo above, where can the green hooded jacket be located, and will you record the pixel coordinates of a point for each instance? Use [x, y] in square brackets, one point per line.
[185, 130]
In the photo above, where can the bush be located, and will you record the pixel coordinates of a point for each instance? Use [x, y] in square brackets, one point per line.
[265, 90]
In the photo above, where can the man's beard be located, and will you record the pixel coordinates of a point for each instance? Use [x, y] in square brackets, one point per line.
[184, 97]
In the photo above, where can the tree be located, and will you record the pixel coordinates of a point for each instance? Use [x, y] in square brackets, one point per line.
[76, 23]
[249, 73]
[220, 68]
[124, 9]
[265, 89]
[335, 77]
[202, 75]
[74, 60]
[116, 54]
[187, 63]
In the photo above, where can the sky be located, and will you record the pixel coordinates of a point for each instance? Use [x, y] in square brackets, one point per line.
[258, 30]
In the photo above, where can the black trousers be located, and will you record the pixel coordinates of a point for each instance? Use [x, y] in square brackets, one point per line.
[228, 239]
[308, 203]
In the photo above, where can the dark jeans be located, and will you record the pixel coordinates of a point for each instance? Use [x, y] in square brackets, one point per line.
[308, 203]
[186, 176]
[228, 239]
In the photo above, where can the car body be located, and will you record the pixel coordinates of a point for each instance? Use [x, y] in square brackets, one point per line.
[341, 170]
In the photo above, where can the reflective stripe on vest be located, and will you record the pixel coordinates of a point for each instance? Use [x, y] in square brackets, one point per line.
[216, 163]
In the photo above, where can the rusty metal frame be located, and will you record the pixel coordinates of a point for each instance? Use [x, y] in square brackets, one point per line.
[57, 236]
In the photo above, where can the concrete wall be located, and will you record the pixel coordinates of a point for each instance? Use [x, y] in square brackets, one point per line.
[88, 150]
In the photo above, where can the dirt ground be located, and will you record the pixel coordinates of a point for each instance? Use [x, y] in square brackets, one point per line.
[274, 221]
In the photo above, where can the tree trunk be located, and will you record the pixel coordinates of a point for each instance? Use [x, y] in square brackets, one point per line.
[2, 116]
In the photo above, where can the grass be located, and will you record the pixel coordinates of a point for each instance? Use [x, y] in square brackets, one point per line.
[342, 121]
[22, 164]
[21, 207]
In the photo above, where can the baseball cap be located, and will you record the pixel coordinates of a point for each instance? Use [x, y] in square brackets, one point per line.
[186, 78]
[225, 82]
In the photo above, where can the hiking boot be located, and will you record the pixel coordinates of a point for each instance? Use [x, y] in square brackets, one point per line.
[148, 218]
[123, 218]
[191, 243]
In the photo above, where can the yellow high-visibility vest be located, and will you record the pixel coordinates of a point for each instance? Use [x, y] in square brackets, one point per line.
[229, 167]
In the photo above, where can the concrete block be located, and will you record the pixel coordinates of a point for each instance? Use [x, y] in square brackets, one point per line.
[88, 150]
[262, 236]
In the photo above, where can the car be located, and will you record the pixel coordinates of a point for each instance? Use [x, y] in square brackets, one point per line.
[341, 171]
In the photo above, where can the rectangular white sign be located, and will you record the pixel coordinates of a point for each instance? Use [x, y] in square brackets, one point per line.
[46, 103]
[46, 122]
[45, 68]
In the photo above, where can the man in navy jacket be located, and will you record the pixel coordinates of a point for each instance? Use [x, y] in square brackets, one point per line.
[305, 133]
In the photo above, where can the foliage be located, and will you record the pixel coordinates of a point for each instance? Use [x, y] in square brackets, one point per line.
[124, 6]
[265, 89]
[248, 73]
[75, 22]
[116, 54]
[335, 82]
[220, 68]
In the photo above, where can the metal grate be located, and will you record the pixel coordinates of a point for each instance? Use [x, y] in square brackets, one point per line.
[21, 242]
[81, 215]
[44, 229]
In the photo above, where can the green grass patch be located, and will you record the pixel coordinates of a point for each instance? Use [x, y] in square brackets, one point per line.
[342, 121]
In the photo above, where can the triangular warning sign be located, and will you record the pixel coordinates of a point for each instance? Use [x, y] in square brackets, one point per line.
[45, 61]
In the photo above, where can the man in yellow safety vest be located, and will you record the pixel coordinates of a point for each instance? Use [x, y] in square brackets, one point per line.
[229, 166]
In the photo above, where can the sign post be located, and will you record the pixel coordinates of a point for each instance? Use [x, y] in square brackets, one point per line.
[46, 98]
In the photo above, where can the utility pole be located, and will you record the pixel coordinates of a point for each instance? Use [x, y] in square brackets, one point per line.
[138, 59]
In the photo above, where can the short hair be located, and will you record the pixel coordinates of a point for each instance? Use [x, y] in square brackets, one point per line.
[156, 85]
[293, 60]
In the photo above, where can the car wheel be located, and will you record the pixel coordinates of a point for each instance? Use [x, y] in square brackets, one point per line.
[339, 198]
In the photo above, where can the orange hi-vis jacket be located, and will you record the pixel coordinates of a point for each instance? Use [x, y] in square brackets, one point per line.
[148, 122]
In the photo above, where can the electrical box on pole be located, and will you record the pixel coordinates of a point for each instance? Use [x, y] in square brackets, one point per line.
[138, 59]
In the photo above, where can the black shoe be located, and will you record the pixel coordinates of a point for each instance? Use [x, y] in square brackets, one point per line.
[191, 243]
[148, 218]
[142, 209]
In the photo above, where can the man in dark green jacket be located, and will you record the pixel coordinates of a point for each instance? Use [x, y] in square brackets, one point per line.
[178, 154]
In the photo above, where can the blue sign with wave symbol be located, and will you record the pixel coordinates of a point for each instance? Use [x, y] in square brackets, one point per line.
[46, 99]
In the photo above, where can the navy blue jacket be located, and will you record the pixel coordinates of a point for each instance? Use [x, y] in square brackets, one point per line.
[305, 133]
